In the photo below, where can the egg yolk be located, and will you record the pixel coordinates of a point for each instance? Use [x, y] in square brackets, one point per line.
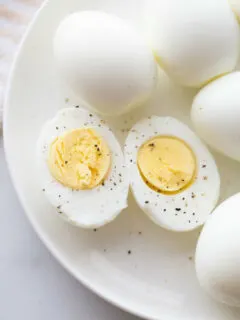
[79, 159]
[167, 164]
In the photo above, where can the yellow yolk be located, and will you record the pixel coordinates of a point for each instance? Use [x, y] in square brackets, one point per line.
[166, 164]
[79, 159]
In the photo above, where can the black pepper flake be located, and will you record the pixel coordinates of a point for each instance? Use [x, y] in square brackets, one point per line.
[57, 128]
[178, 209]
[183, 180]
[131, 160]
[119, 174]
[59, 196]
[95, 230]
[164, 210]
[176, 214]
[146, 202]
[205, 178]
[193, 195]
[183, 198]
[98, 149]
[77, 107]
[204, 166]
[140, 232]
[189, 221]
[193, 213]
[58, 207]
[152, 145]
[104, 250]
[103, 183]
[190, 258]
[129, 252]
[43, 190]
[111, 189]
[184, 212]
[66, 162]
[114, 183]
[90, 115]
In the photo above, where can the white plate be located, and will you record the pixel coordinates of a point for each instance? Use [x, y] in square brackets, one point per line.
[157, 280]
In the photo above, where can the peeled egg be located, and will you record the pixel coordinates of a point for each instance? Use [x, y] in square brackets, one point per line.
[218, 253]
[105, 61]
[194, 41]
[216, 114]
[173, 177]
[81, 168]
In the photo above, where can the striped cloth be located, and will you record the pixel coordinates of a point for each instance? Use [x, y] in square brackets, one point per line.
[14, 17]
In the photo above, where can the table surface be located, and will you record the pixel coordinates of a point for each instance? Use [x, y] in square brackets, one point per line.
[33, 286]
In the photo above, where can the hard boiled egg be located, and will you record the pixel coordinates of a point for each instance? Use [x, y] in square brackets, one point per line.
[105, 61]
[81, 168]
[194, 41]
[173, 177]
[218, 253]
[216, 114]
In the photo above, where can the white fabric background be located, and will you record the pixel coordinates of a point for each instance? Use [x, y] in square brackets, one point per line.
[14, 17]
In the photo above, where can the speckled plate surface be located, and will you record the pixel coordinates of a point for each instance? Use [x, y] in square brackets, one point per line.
[131, 262]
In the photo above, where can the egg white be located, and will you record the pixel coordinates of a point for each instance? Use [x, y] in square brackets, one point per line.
[216, 113]
[217, 255]
[188, 209]
[84, 208]
[194, 40]
[105, 61]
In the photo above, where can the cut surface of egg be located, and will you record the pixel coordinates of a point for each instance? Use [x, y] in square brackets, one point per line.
[105, 61]
[173, 176]
[81, 168]
[218, 253]
[194, 41]
[216, 114]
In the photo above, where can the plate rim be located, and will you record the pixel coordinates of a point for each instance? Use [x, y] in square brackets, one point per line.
[47, 243]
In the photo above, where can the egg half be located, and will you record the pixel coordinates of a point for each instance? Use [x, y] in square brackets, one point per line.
[218, 253]
[194, 41]
[105, 61]
[216, 115]
[81, 168]
[173, 177]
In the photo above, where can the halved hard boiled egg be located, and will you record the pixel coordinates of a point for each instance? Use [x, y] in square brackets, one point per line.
[173, 176]
[81, 168]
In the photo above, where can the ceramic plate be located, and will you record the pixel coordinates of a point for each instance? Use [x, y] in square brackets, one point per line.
[131, 262]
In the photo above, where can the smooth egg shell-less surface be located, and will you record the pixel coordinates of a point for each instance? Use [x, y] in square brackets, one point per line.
[185, 210]
[216, 114]
[105, 61]
[217, 254]
[194, 41]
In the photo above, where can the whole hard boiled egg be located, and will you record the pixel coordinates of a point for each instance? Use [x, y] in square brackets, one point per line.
[218, 253]
[216, 114]
[173, 177]
[81, 168]
[105, 61]
[194, 41]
